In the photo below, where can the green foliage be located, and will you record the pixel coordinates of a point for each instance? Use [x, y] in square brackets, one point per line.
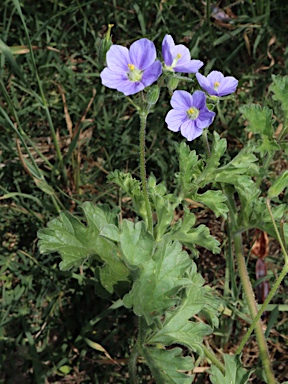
[280, 88]
[260, 119]
[162, 361]
[76, 242]
[44, 309]
[234, 373]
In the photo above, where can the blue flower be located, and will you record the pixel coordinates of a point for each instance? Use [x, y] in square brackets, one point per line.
[189, 114]
[177, 58]
[216, 84]
[130, 71]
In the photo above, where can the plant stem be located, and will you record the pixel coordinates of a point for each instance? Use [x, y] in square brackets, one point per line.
[263, 308]
[206, 142]
[263, 349]
[237, 237]
[133, 378]
[143, 120]
[211, 356]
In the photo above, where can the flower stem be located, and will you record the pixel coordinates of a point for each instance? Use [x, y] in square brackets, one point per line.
[274, 288]
[263, 349]
[143, 120]
[248, 291]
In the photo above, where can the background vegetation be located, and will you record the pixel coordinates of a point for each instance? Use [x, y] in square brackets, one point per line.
[61, 133]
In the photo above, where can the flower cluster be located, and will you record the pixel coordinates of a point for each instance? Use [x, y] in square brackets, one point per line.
[131, 71]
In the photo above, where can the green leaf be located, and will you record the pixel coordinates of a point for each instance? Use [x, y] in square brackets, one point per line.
[267, 145]
[279, 185]
[133, 189]
[136, 243]
[177, 327]
[158, 281]
[75, 242]
[164, 205]
[280, 89]
[190, 167]
[219, 147]
[260, 119]
[215, 200]
[234, 372]
[243, 163]
[168, 363]
[111, 232]
[184, 233]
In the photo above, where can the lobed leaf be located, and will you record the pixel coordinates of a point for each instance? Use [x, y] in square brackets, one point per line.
[169, 363]
[259, 118]
[280, 89]
[177, 328]
[75, 242]
[159, 280]
[189, 236]
[234, 372]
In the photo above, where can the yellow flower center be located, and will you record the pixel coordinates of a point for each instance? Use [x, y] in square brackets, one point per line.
[216, 85]
[133, 73]
[192, 113]
[174, 63]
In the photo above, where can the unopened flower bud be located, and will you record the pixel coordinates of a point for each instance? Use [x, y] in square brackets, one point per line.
[172, 83]
[105, 46]
[152, 95]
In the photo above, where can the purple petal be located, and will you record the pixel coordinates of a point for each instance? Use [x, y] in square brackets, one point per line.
[118, 58]
[181, 100]
[113, 79]
[167, 47]
[215, 76]
[227, 86]
[191, 67]
[205, 118]
[205, 84]
[152, 73]
[142, 53]
[175, 119]
[130, 87]
[180, 49]
[199, 100]
[190, 131]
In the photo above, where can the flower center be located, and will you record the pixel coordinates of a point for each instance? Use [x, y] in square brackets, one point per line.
[133, 73]
[216, 85]
[174, 63]
[192, 113]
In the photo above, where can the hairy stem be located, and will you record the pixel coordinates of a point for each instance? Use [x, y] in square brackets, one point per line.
[211, 356]
[143, 120]
[263, 349]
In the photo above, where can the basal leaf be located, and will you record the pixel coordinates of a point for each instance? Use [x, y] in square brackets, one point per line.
[136, 243]
[76, 241]
[177, 326]
[234, 372]
[259, 118]
[169, 364]
[113, 272]
[159, 280]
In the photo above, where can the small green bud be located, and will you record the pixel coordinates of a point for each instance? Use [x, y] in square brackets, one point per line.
[152, 181]
[172, 83]
[105, 46]
[152, 95]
